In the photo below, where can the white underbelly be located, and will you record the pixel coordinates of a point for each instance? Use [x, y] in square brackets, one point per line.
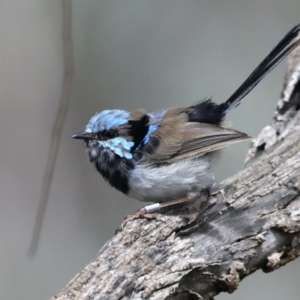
[168, 182]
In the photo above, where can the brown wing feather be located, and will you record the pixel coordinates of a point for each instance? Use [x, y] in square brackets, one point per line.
[180, 139]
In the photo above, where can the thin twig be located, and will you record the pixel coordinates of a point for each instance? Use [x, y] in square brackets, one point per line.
[58, 123]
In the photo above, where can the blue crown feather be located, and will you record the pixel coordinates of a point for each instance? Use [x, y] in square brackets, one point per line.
[107, 119]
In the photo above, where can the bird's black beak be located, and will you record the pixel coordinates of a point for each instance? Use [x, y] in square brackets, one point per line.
[83, 136]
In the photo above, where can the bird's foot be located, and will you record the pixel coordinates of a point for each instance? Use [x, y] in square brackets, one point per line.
[142, 213]
[217, 190]
[139, 214]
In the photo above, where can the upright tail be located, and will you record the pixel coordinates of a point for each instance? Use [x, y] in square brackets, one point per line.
[290, 41]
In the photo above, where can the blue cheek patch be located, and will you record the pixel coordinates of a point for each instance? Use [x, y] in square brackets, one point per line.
[120, 146]
[107, 119]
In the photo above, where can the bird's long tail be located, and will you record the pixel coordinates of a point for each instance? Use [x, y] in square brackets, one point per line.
[289, 42]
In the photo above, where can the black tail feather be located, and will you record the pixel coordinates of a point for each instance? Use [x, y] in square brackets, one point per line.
[284, 47]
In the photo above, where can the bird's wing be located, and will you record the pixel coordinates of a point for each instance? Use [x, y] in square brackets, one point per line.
[200, 139]
[180, 140]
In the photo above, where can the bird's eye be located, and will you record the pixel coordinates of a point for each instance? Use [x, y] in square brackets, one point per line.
[110, 134]
[105, 135]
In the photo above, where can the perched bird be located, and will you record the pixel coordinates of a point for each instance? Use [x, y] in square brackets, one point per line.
[166, 156]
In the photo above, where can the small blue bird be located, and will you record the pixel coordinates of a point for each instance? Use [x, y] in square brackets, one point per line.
[166, 156]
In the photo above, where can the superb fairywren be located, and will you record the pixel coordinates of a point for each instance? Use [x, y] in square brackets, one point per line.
[165, 156]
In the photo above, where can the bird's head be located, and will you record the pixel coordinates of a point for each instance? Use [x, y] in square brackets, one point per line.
[114, 131]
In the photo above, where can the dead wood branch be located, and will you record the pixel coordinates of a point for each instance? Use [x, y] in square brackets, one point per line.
[254, 225]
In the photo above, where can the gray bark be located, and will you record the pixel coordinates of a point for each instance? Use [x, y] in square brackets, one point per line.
[254, 223]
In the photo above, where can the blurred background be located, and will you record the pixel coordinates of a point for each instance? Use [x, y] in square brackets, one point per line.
[128, 54]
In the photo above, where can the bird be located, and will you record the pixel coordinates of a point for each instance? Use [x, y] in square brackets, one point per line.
[166, 156]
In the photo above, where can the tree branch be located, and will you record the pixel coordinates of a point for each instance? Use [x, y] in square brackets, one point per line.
[183, 254]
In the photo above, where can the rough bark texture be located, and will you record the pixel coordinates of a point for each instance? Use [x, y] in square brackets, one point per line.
[182, 254]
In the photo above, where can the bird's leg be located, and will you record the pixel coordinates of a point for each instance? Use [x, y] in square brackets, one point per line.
[158, 206]
[191, 197]
[149, 211]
